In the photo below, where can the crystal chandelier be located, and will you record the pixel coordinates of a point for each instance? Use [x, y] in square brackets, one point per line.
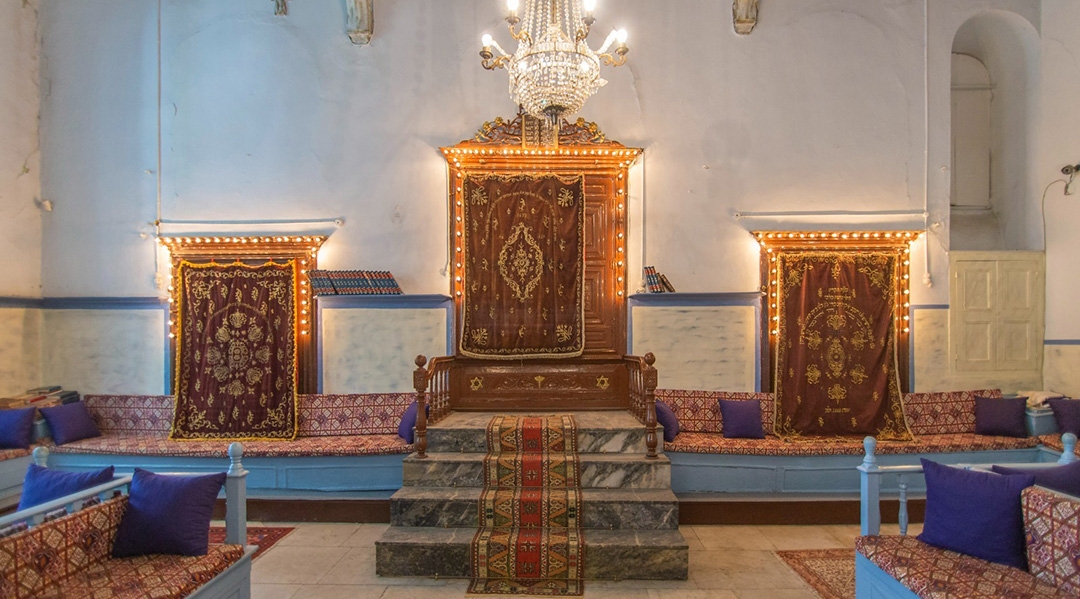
[553, 71]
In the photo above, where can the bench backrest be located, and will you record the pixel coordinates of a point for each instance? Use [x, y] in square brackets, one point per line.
[1052, 528]
[699, 411]
[40, 558]
[318, 415]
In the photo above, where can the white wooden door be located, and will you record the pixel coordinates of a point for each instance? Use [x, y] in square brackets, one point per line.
[996, 311]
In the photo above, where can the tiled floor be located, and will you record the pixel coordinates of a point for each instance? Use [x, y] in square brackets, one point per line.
[331, 561]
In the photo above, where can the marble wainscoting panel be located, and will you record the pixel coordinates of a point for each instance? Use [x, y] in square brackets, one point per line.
[372, 350]
[706, 347]
[930, 337]
[20, 350]
[106, 351]
[1060, 372]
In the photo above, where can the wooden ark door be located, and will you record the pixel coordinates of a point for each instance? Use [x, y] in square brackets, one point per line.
[596, 379]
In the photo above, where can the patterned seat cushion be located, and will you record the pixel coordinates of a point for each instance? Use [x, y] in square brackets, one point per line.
[7, 454]
[773, 445]
[1052, 524]
[155, 444]
[1053, 441]
[933, 573]
[149, 576]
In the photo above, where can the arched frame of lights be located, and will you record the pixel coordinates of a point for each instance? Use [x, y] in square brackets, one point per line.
[775, 243]
[303, 250]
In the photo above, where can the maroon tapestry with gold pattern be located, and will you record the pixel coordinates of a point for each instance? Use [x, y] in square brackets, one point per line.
[524, 264]
[236, 352]
[836, 351]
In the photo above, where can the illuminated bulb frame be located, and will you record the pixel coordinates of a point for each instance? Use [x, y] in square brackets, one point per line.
[607, 159]
[303, 249]
[774, 243]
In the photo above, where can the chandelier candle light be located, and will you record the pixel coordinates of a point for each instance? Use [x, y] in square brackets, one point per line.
[553, 72]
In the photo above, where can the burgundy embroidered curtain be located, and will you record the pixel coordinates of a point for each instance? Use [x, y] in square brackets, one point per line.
[236, 356]
[836, 351]
[524, 265]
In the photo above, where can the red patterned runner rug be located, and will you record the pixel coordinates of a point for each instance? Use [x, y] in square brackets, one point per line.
[530, 540]
[262, 537]
[831, 572]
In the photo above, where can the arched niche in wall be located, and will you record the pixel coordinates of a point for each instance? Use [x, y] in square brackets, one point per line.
[994, 64]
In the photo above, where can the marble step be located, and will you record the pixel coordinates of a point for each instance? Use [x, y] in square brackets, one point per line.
[656, 509]
[598, 471]
[609, 554]
[597, 432]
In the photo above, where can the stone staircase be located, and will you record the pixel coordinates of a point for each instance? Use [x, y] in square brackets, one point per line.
[629, 512]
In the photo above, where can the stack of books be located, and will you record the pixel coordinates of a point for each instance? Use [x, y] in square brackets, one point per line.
[656, 282]
[353, 282]
[41, 397]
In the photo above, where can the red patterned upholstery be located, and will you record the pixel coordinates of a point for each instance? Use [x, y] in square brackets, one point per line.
[933, 573]
[302, 446]
[1052, 524]
[131, 413]
[699, 411]
[355, 414]
[70, 557]
[1053, 441]
[772, 445]
[7, 454]
[941, 413]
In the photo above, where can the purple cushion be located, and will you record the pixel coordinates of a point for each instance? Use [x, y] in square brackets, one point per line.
[976, 513]
[1067, 415]
[408, 421]
[1004, 416]
[167, 514]
[42, 485]
[741, 419]
[666, 418]
[16, 428]
[1064, 479]
[70, 422]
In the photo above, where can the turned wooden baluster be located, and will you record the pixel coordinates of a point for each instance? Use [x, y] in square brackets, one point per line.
[420, 383]
[648, 377]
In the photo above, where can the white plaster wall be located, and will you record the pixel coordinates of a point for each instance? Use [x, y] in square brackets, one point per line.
[20, 350]
[20, 158]
[1059, 131]
[1061, 373]
[932, 362]
[712, 348]
[372, 350]
[105, 351]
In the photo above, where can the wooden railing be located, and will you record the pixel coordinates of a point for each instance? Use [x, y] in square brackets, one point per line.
[870, 474]
[432, 385]
[642, 385]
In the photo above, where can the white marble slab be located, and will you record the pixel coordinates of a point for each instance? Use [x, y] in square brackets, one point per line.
[20, 350]
[1061, 369]
[105, 351]
[932, 361]
[708, 347]
[371, 350]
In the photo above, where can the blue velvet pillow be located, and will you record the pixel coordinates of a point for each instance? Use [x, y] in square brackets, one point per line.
[42, 485]
[1066, 414]
[167, 514]
[16, 428]
[1004, 417]
[408, 421]
[741, 419]
[1064, 479]
[666, 418]
[976, 513]
[70, 422]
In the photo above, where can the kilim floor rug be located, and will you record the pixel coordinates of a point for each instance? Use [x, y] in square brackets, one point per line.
[831, 572]
[530, 540]
[262, 537]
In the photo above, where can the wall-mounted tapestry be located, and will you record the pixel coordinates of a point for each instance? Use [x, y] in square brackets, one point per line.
[524, 264]
[236, 359]
[836, 348]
